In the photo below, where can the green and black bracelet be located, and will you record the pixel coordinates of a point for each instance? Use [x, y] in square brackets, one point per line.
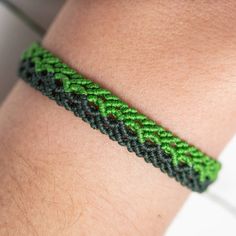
[122, 123]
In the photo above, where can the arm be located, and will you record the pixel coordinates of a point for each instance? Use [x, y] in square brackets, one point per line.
[59, 176]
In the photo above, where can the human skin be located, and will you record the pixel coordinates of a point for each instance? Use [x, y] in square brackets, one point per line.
[175, 61]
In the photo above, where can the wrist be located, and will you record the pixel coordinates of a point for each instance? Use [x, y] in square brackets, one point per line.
[159, 57]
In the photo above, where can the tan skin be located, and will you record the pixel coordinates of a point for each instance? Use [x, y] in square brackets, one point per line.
[173, 60]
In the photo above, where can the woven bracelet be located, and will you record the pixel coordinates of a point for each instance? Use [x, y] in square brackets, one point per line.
[112, 116]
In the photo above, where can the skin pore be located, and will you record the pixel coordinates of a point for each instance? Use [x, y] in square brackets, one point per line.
[175, 61]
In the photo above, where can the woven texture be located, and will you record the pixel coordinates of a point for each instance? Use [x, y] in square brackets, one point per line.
[122, 123]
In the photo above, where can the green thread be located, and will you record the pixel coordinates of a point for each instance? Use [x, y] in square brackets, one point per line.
[110, 105]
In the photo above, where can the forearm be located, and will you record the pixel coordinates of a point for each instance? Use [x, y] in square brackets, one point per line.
[61, 177]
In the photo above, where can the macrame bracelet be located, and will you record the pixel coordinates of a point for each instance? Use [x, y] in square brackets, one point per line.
[112, 116]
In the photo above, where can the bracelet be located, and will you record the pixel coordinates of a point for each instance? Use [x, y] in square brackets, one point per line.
[112, 116]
